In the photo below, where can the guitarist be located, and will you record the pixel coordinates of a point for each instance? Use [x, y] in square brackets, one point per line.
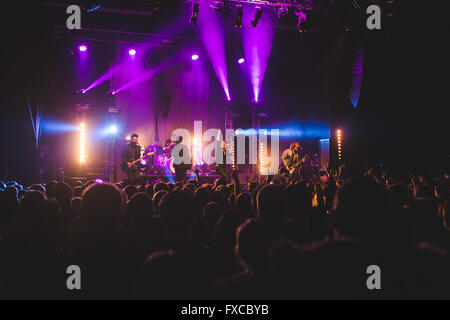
[130, 154]
[291, 162]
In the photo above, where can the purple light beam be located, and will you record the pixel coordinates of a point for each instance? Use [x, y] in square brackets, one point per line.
[103, 78]
[143, 77]
[257, 44]
[211, 31]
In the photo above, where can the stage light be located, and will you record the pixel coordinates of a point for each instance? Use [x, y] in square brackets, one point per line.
[82, 143]
[143, 162]
[132, 52]
[113, 129]
[238, 21]
[99, 181]
[255, 95]
[258, 15]
[195, 57]
[227, 93]
[51, 126]
[109, 131]
[339, 143]
[241, 60]
[82, 48]
[195, 10]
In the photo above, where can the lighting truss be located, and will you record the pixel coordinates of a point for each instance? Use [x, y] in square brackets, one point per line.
[282, 6]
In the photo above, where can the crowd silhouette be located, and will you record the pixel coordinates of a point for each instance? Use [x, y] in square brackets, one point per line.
[164, 240]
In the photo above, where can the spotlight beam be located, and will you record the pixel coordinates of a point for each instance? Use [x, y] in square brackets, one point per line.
[213, 40]
[257, 43]
[103, 78]
[146, 75]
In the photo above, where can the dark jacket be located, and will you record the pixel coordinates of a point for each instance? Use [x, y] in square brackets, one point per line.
[131, 152]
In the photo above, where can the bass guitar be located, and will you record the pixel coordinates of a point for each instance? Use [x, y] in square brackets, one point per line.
[125, 166]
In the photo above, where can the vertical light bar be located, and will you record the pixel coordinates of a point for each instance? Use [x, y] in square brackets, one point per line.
[82, 143]
[261, 155]
[339, 143]
[233, 159]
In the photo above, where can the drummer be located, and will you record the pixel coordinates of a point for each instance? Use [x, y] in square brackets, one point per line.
[168, 146]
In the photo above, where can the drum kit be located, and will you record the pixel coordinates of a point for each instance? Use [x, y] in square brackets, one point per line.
[160, 162]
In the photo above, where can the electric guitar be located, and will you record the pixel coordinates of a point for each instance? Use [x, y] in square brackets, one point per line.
[290, 170]
[125, 167]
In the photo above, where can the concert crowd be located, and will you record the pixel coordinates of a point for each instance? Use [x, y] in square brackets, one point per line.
[228, 240]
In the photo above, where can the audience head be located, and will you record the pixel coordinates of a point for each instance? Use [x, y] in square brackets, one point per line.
[253, 241]
[30, 204]
[11, 192]
[425, 220]
[225, 233]
[157, 200]
[101, 209]
[329, 193]
[211, 214]
[164, 275]
[62, 193]
[75, 205]
[423, 190]
[271, 203]
[177, 211]
[244, 204]
[130, 191]
[361, 207]
[140, 209]
[38, 187]
[77, 191]
[160, 186]
[202, 196]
